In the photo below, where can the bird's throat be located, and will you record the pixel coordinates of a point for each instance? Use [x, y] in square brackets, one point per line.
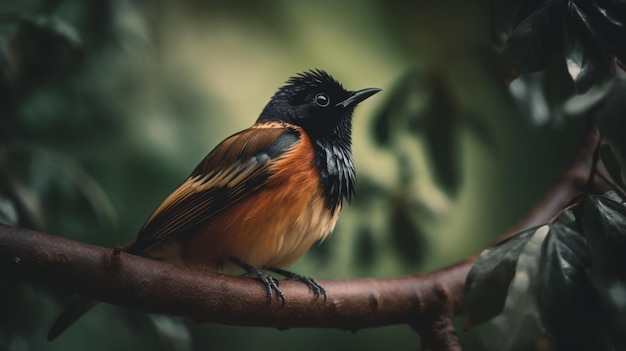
[333, 158]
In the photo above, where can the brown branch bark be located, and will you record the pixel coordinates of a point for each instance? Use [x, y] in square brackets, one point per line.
[440, 334]
[425, 301]
[156, 287]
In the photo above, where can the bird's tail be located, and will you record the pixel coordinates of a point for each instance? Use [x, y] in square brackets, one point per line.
[71, 314]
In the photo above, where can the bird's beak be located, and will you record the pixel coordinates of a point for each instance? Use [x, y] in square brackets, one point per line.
[358, 96]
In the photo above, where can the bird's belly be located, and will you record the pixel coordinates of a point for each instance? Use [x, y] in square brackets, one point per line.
[271, 228]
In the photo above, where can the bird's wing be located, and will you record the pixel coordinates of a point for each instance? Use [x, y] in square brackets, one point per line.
[234, 169]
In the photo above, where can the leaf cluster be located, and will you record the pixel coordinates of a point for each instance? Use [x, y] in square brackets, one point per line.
[583, 36]
[562, 283]
[578, 277]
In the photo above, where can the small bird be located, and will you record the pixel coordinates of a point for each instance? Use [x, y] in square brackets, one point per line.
[263, 196]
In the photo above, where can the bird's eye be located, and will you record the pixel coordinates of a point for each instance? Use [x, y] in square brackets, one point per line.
[322, 100]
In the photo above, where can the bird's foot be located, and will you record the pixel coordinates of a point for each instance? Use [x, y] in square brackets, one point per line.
[271, 283]
[317, 289]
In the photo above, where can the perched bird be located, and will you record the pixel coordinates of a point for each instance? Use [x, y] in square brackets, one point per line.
[263, 196]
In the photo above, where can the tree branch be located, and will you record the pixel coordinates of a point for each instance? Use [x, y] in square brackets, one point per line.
[156, 287]
[425, 301]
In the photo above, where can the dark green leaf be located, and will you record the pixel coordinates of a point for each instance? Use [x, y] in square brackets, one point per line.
[398, 109]
[610, 17]
[28, 202]
[507, 14]
[406, 235]
[368, 191]
[518, 327]
[586, 60]
[567, 218]
[611, 289]
[381, 128]
[601, 22]
[48, 48]
[487, 284]
[580, 65]
[365, 248]
[439, 125]
[424, 105]
[503, 14]
[614, 164]
[529, 92]
[604, 227]
[567, 302]
[579, 12]
[56, 28]
[582, 103]
[598, 27]
[612, 123]
[8, 212]
[7, 100]
[5, 74]
[421, 104]
[530, 46]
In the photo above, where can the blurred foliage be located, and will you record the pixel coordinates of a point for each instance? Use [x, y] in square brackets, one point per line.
[577, 297]
[586, 36]
[561, 286]
[488, 282]
[425, 105]
[105, 106]
[611, 125]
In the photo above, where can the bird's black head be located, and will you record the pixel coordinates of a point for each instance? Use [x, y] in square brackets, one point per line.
[316, 102]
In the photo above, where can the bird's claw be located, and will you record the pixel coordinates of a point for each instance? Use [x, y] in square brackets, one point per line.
[271, 284]
[317, 289]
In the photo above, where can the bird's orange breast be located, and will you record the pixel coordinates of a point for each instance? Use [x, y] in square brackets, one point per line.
[272, 227]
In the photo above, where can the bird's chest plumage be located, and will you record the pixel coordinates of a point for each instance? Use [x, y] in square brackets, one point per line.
[336, 171]
[275, 226]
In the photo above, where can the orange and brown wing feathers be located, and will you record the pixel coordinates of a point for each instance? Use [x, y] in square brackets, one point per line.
[234, 169]
[274, 226]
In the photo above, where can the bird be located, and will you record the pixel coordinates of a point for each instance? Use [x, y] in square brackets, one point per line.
[263, 196]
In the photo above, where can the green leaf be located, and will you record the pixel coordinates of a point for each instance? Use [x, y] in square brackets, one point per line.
[439, 124]
[399, 107]
[604, 226]
[406, 235]
[365, 247]
[611, 289]
[579, 65]
[611, 17]
[487, 284]
[393, 107]
[55, 27]
[529, 47]
[47, 49]
[614, 164]
[612, 124]
[5, 73]
[586, 59]
[600, 23]
[8, 212]
[566, 300]
[423, 103]
[506, 15]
